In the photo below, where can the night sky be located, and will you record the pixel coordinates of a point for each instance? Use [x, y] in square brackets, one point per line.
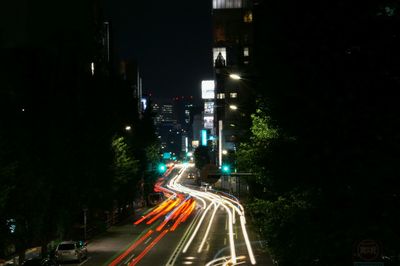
[172, 41]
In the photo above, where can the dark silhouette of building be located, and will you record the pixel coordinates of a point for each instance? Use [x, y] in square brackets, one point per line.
[232, 54]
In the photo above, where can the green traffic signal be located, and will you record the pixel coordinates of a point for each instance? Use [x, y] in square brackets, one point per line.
[162, 168]
[225, 169]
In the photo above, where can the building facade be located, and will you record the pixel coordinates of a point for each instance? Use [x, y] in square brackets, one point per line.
[233, 64]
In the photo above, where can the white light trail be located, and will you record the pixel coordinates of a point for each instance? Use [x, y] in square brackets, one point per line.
[208, 199]
[208, 227]
[197, 229]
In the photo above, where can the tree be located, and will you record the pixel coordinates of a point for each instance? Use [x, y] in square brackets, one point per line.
[126, 169]
[329, 83]
[201, 157]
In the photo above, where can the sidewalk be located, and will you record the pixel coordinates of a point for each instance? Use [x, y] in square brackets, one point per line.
[102, 247]
[29, 254]
[105, 247]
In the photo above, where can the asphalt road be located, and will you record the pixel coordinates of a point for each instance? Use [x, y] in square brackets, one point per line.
[142, 244]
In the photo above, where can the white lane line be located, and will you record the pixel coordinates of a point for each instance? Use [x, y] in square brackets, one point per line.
[179, 247]
[208, 228]
[85, 261]
[127, 261]
[197, 228]
[147, 241]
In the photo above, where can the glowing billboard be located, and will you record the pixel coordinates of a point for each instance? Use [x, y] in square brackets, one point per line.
[207, 89]
[208, 122]
[204, 137]
[209, 107]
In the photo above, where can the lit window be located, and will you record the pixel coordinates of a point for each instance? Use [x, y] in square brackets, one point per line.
[233, 94]
[222, 4]
[246, 51]
[221, 96]
[218, 50]
[248, 17]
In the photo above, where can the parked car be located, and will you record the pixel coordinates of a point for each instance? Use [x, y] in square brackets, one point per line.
[71, 251]
[40, 262]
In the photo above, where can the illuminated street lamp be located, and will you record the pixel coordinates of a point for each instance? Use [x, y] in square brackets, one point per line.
[224, 152]
[233, 107]
[128, 128]
[235, 76]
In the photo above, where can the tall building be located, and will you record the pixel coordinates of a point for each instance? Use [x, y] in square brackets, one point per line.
[168, 129]
[232, 54]
[129, 71]
[164, 112]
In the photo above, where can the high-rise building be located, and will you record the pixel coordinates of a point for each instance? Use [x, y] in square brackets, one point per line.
[129, 71]
[232, 58]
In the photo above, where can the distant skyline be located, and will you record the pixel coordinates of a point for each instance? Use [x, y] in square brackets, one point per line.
[171, 40]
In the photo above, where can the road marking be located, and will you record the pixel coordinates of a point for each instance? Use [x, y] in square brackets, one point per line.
[179, 247]
[129, 259]
[85, 261]
[147, 241]
[147, 249]
[131, 243]
[130, 249]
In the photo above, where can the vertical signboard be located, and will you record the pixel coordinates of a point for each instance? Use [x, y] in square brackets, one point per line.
[207, 89]
[204, 137]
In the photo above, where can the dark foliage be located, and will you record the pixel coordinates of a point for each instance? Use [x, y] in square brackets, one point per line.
[330, 76]
[201, 156]
[57, 124]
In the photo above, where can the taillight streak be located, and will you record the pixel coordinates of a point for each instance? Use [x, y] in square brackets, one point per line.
[129, 250]
[147, 249]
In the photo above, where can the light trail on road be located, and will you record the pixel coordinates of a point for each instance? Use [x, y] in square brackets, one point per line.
[232, 207]
[130, 249]
[180, 203]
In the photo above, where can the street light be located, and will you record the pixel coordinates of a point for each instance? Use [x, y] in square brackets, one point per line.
[235, 76]
[233, 107]
[128, 128]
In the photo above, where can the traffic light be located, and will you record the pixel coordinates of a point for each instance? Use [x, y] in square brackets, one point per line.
[226, 169]
[162, 168]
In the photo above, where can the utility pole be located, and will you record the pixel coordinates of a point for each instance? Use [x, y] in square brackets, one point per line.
[85, 223]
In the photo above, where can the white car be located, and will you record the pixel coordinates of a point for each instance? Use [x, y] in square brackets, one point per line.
[71, 251]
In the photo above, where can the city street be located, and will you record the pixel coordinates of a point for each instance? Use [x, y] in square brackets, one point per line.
[203, 239]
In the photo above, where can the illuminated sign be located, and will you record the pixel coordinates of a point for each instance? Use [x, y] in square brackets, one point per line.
[225, 4]
[195, 143]
[204, 137]
[144, 103]
[208, 122]
[209, 108]
[207, 89]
